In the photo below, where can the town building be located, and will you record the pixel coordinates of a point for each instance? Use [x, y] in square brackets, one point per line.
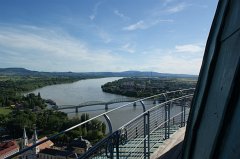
[8, 148]
[46, 150]
[49, 153]
[79, 146]
[33, 154]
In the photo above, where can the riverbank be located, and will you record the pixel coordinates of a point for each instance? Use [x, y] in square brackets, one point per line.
[18, 111]
[144, 87]
[14, 87]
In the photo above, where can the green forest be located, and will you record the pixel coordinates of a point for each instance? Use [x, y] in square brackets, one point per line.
[144, 87]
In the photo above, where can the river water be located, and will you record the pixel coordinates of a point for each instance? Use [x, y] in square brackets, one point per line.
[89, 90]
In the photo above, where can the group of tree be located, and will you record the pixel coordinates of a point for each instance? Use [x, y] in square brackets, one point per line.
[143, 87]
[29, 101]
[49, 122]
[13, 87]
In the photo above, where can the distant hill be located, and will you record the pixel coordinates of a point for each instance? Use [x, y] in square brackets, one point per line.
[155, 74]
[10, 71]
[26, 72]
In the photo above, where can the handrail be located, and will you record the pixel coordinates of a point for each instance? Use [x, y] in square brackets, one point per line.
[161, 104]
[155, 129]
[103, 114]
[146, 138]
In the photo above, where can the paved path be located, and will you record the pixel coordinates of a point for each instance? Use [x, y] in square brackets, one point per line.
[173, 144]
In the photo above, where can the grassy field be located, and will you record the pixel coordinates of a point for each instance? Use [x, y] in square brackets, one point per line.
[5, 110]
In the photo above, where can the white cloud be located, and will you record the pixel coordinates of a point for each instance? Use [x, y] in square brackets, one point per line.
[95, 11]
[37, 46]
[139, 25]
[189, 48]
[128, 48]
[180, 59]
[177, 8]
[121, 15]
[52, 49]
[174, 64]
[171, 63]
[145, 25]
[165, 63]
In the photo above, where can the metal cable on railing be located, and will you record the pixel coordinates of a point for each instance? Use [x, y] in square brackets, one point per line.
[137, 132]
[175, 119]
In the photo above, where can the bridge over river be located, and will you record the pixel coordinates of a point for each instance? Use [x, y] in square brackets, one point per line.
[93, 103]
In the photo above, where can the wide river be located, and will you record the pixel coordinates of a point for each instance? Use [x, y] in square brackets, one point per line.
[89, 90]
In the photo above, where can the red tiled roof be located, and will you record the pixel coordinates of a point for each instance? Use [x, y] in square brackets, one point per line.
[44, 145]
[9, 146]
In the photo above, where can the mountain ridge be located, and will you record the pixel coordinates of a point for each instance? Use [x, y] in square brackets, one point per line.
[26, 72]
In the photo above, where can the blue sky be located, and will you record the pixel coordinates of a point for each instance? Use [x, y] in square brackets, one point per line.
[105, 35]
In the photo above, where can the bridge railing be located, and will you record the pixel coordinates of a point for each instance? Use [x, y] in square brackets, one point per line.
[134, 137]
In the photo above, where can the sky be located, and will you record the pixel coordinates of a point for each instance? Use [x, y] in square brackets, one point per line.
[167, 36]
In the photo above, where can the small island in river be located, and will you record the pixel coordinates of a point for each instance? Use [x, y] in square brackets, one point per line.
[143, 87]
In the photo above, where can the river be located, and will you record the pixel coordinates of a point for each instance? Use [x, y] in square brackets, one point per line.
[89, 90]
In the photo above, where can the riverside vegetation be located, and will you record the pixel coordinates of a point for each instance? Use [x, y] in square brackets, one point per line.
[143, 87]
[18, 111]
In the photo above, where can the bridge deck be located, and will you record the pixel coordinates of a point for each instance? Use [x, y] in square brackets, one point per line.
[93, 103]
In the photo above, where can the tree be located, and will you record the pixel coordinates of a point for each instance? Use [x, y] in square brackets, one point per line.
[3, 119]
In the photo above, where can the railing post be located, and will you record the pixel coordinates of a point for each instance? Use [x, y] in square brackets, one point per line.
[109, 123]
[144, 129]
[117, 145]
[182, 106]
[144, 135]
[143, 106]
[182, 114]
[148, 133]
[169, 118]
[110, 132]
[165, 120]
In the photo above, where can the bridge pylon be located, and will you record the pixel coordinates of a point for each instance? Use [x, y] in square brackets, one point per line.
[76, 110]
[106, 106]
[154, 101]
[134, 104]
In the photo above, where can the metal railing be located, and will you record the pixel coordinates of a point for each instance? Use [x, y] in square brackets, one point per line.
[141, 135]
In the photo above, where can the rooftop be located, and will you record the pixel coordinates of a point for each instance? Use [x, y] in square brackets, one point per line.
[8, 146]
[44, 145]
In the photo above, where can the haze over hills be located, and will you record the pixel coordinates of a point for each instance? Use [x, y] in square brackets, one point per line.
[26, 72]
